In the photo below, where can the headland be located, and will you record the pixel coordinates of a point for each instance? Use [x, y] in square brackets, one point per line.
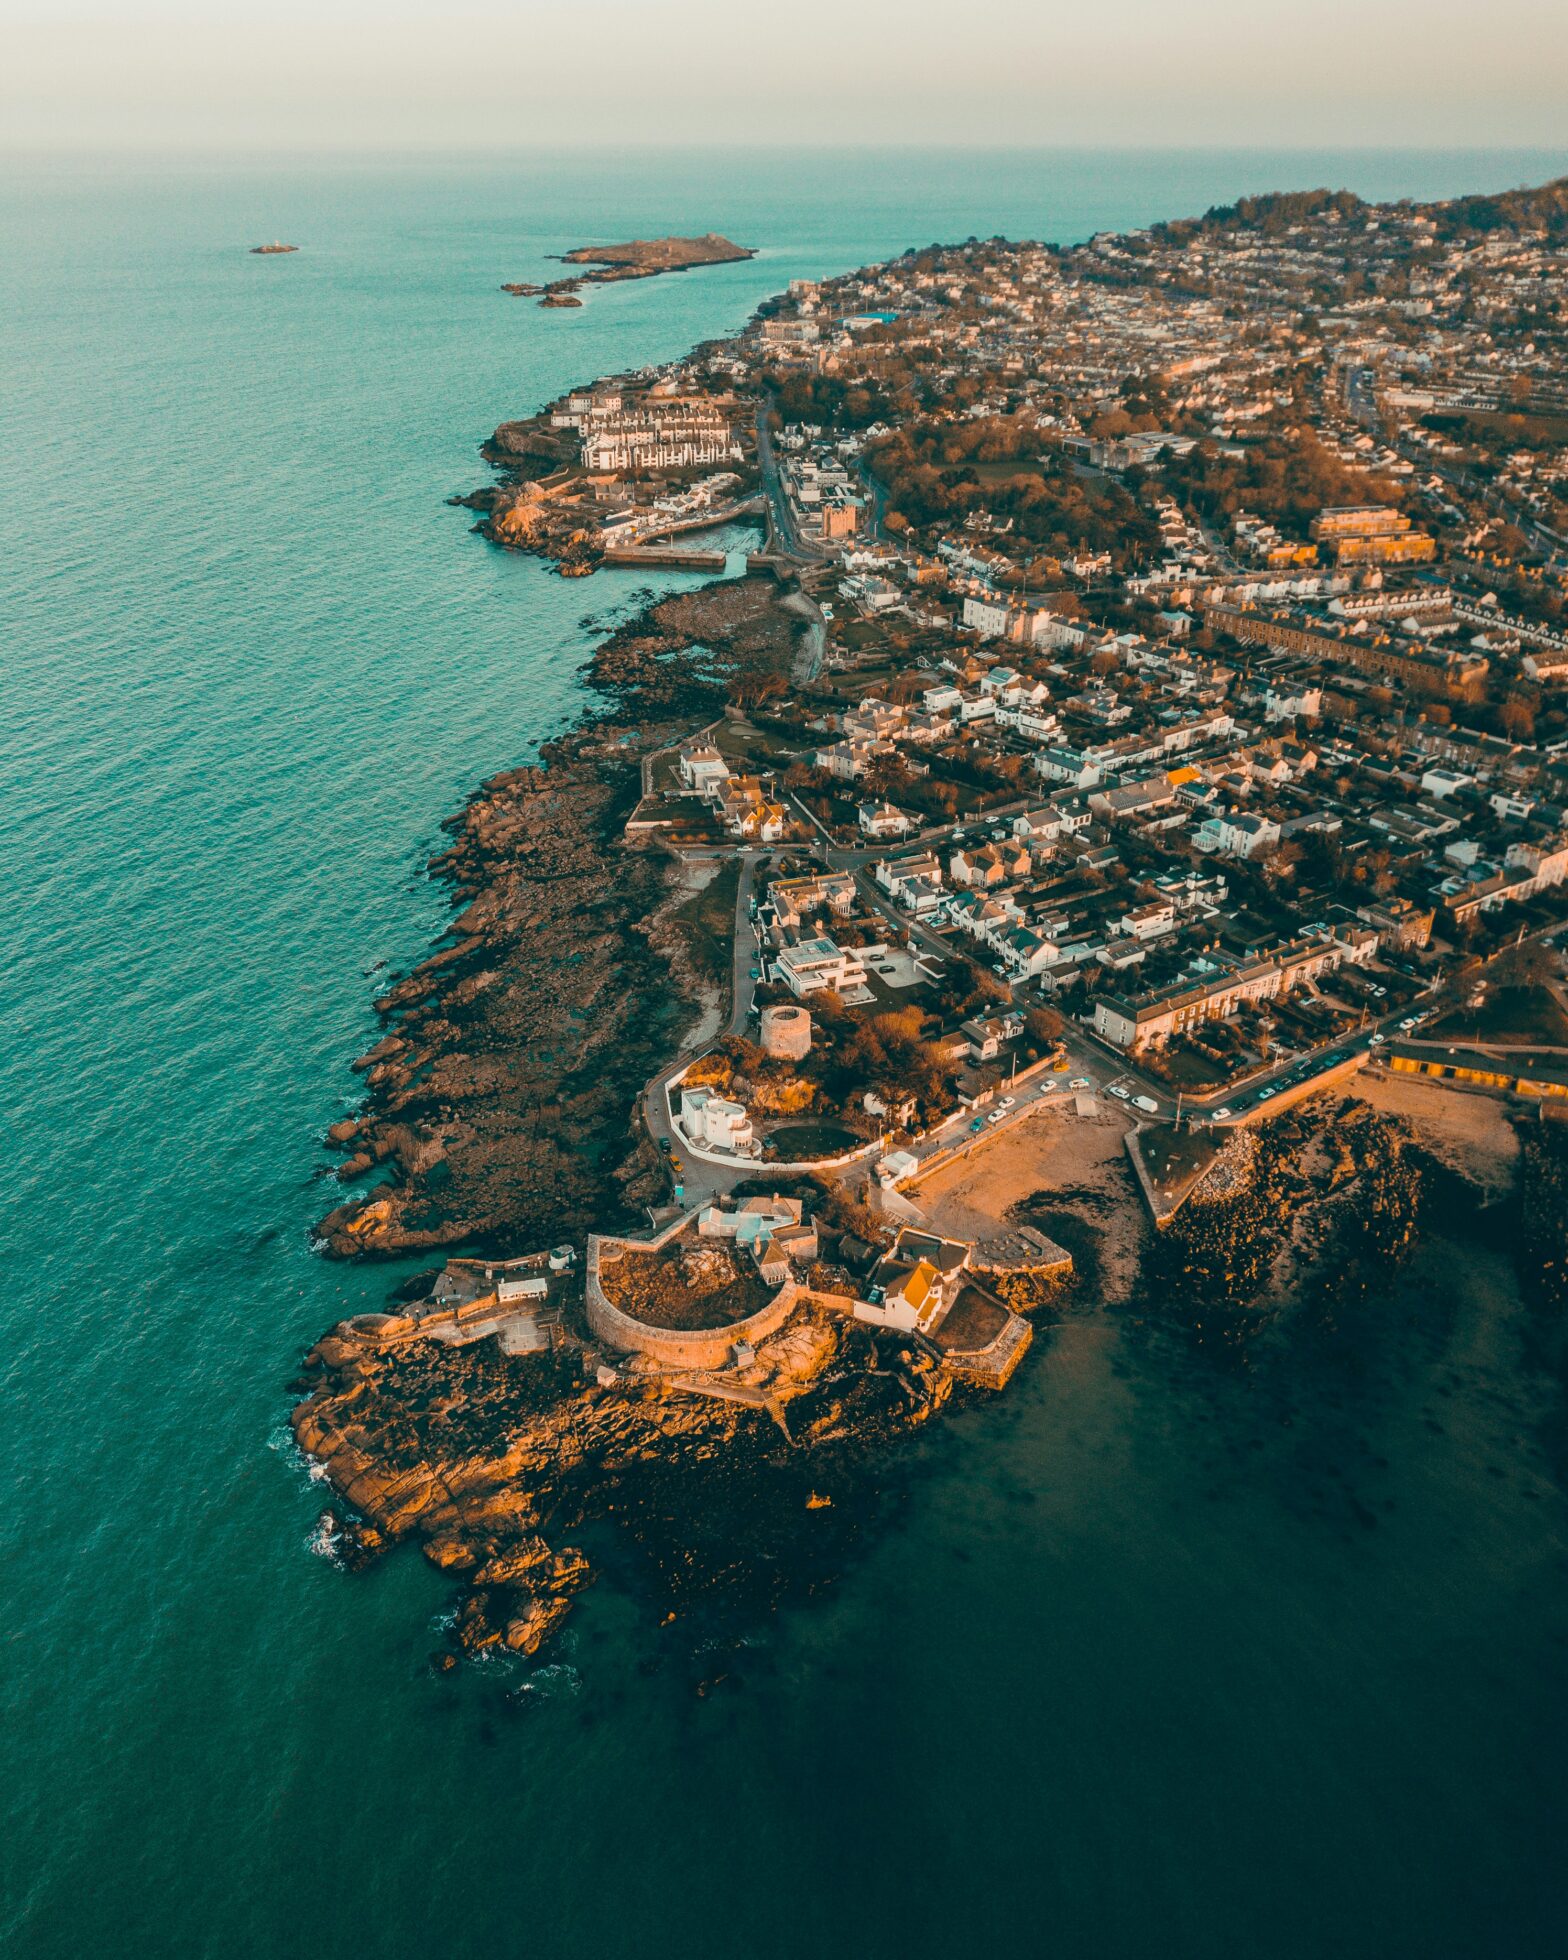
[1050, 868]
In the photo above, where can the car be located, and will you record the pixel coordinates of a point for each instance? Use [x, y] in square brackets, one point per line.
[996, 1115]
[977, 1124]
[1219, 1115]
[1121, 1094]
[1378, 993]
[1006, 1102]
[1378, 1039]
[1145, 1103]
[1080, 1082]
[1410, 1021]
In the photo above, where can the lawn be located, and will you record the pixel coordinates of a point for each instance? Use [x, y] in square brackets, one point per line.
[1186, 1069]
[1175, 1157]
[1522, 1017]
[804, 1143]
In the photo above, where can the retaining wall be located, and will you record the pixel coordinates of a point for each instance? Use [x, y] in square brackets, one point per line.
[707, 1347]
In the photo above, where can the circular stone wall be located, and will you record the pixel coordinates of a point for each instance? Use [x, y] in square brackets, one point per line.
[786, 1033]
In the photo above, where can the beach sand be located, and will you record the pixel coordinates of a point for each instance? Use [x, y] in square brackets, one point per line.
[1066, 1174]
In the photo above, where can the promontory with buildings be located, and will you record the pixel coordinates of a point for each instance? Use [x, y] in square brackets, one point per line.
[1133, 762]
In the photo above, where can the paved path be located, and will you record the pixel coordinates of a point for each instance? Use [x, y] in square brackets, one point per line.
[701, 1181]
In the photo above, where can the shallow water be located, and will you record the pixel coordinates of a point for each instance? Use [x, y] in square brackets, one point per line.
[1149, 1658]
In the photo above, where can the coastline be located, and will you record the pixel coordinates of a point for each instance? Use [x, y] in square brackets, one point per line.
[497, 1110]
[557, 989]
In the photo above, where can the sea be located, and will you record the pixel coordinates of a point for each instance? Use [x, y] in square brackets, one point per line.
[1153, 1656]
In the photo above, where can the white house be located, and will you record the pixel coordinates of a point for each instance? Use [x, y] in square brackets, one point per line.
[702, 769]
[711, 1120]
[1240, 834]
[877, 820]
[817, 964]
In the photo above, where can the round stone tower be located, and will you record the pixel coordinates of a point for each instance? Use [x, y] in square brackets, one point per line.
[786, 1033]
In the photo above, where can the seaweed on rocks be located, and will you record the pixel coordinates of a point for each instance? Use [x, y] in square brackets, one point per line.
[1330, 1204]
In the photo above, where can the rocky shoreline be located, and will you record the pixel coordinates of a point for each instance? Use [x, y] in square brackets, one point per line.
[498, 1115]
[497, 1101]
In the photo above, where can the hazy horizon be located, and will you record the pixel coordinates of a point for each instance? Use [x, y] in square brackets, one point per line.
[120, 76]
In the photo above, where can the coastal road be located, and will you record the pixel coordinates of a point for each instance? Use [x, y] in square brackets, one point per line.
[784, 541]
[701, 1181]
[747, 963]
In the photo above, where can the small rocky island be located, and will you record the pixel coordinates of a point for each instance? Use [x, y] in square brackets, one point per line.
[638, 258]
[273, 250]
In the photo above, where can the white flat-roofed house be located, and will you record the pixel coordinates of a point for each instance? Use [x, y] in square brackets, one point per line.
[816, 965]
[1149, 921]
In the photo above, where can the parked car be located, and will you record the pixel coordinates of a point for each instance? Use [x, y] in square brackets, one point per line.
[1410, 1021]
[1219, 1115]
[1080, 1082]
[1121, 1094]
[1145, 1103]
[1006, 1102]
[996, 1115]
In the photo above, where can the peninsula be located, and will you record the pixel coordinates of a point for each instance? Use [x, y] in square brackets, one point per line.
[1113, 836]
[639, 258]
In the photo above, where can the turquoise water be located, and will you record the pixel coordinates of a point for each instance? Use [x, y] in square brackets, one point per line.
[1146, 1660]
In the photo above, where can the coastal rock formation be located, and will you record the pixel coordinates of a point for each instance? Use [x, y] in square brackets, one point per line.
[642, 258]
[488, 1463]
[639, 258]
[497, 1102]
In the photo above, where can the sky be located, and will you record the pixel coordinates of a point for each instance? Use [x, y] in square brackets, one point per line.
[395, 75]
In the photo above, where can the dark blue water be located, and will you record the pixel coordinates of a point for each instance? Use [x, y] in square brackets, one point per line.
[1135, 1669]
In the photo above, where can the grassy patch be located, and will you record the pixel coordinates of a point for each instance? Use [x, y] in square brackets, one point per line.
[707, 922]
[1174, 1157]
[803, 1143]
[1522, 1017]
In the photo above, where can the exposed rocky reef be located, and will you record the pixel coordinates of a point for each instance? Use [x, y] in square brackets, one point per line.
[1307, 1212]
[492, 1464]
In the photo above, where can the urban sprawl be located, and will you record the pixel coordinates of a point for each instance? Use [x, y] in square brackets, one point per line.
[1179, 726]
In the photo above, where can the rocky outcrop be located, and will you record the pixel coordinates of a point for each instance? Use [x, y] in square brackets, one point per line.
[491, 1463]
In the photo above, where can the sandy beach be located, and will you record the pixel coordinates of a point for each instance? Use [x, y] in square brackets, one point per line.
[1066, 1174]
